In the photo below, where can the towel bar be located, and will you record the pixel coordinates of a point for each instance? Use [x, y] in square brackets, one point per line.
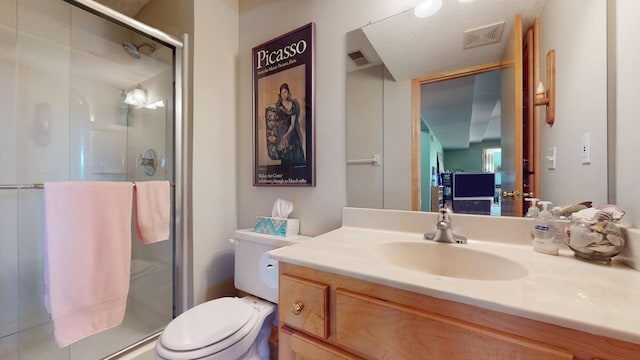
[35, 186]
[375, 160]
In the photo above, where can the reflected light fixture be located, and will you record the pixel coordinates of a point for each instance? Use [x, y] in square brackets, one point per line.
[136, 96]
[155, 105]
[427, 8]
[547, 97]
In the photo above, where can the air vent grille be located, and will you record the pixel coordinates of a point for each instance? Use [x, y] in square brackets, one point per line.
[484, 35]
[358, 57]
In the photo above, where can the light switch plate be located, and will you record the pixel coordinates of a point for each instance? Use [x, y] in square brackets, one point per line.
[551, 158]
[585, 149]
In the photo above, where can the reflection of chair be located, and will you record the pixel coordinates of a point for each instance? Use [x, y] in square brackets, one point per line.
[473, 193]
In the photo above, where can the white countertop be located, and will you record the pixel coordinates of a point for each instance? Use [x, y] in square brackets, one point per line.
[561, 290]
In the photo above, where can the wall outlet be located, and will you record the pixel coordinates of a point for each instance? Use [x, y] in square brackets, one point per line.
[585, 149]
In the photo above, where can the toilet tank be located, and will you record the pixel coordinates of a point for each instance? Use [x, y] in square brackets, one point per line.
[255, 273]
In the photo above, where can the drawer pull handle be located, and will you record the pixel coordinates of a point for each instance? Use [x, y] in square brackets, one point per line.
[296, 309]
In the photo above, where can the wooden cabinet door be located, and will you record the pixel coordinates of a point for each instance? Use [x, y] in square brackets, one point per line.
[379, 329]
[294, 346]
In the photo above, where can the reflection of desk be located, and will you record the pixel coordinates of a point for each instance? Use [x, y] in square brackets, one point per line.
[476, 205]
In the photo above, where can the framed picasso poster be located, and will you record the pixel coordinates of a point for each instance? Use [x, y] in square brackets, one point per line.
[283, 110]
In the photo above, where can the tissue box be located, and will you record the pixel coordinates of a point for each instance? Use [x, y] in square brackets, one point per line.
[277, 226]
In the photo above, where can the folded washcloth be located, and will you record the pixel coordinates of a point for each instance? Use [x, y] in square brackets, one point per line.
[152, 204]
[87, 256]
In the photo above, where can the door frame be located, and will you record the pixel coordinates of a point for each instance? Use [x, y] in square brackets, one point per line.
[416, 105]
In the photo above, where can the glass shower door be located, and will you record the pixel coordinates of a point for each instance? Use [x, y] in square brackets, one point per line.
[65, 115]
[121, 129]
[8, 202]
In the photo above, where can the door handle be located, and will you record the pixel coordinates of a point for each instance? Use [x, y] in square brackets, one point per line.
[515, 194]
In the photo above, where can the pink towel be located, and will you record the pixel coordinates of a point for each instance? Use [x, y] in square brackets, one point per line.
[87, 256]
[152, 204]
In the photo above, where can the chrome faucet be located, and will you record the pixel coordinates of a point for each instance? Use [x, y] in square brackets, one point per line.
[443, 230]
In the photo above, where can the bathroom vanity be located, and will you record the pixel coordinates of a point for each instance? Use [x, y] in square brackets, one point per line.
[374, 289]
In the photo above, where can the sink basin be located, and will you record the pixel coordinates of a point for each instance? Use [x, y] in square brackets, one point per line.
[450, 260]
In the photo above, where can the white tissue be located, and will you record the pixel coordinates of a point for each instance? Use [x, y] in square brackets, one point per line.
[281, 209]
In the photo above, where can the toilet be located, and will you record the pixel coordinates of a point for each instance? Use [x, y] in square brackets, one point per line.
[230, 327]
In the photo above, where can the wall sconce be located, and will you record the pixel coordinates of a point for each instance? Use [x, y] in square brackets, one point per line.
[137, 96]
[548, 98]
[155, 105]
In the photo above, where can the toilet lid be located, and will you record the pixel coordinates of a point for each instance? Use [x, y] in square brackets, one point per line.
[209, 323]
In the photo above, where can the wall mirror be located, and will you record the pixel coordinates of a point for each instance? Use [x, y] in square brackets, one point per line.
[382, 59]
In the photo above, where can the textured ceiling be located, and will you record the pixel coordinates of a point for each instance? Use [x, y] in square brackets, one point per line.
[462, 111]
[411, 47]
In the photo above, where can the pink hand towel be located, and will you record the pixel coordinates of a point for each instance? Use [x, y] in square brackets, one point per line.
[152, 203]
[87, 256]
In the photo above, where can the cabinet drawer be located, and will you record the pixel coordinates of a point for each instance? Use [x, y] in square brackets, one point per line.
[304, 305]
[368, 326]
[295, 346]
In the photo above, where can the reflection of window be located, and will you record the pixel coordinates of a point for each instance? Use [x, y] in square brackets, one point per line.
[491, 159]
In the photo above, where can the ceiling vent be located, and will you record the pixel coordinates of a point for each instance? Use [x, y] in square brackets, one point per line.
[484, 35]
[359, 58]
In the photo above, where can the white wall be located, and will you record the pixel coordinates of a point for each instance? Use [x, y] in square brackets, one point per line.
[215, 47]
[577, 30]
[364, 129]
[213, 30]
[627, 145]
[397, 129]
[379, 113]
[319, 208]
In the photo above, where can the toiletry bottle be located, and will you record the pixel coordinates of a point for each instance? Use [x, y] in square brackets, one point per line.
[533, 211]
[546, 233]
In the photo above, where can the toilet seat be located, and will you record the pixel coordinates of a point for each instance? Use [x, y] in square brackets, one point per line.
[191, 335]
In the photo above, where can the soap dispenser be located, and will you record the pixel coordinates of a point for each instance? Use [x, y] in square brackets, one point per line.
[533, 211]
[546, 234]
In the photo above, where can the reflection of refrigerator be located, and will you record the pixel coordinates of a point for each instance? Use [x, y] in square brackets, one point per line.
[447, 187]
[473, 193]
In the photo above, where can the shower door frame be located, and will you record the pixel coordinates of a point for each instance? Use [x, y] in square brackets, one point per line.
[182, 278]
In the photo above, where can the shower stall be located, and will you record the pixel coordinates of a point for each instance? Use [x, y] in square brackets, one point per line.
[86, 94]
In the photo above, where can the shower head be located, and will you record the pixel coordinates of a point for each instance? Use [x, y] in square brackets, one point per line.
[134, 50]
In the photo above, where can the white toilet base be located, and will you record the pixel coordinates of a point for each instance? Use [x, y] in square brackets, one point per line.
[259, 348]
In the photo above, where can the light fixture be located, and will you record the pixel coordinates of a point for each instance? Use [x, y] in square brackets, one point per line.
[427, 8]
[136, 96]
[154, 105]
[548, 97]
[465, 1]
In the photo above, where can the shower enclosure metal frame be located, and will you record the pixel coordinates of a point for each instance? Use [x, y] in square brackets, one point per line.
[182, 274]
[180, 249]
